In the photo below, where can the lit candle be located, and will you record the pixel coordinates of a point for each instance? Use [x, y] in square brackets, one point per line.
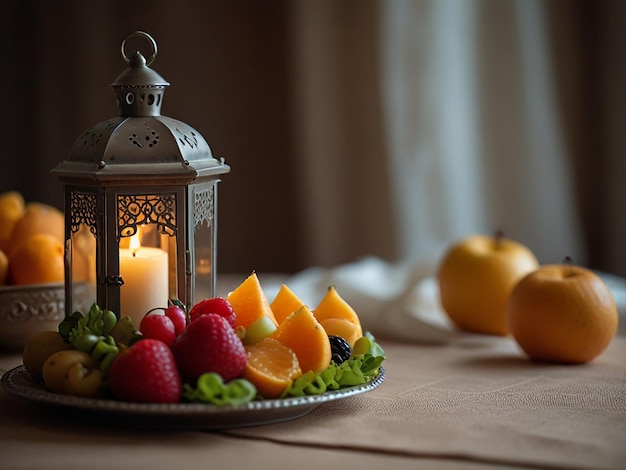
[145, 274]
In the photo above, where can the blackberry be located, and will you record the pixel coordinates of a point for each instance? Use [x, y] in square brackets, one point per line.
[340, 349]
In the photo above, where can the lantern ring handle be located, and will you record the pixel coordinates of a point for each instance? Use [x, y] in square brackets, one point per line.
[140, 34]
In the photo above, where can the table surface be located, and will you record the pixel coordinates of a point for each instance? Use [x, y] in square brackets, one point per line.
[476, 402]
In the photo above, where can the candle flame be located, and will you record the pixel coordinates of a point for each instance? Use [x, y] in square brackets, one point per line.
[134, 244]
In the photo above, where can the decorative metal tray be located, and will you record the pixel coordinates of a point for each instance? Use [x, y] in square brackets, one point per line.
[180, 416]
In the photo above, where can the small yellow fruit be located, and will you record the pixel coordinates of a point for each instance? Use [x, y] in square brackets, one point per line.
[476, 277]
[39, 347]
[82, 381]
[56, 367]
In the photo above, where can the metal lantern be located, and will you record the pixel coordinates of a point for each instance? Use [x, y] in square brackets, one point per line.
[140, 203]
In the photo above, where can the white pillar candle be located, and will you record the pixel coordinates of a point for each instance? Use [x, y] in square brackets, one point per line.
[145, 274]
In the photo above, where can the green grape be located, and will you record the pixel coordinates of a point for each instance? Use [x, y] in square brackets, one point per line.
[361, 346]
[93, 333]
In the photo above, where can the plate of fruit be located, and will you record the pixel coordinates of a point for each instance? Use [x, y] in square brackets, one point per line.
[225, 362]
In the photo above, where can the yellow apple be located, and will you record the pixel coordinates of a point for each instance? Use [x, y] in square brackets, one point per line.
[562, 313]
[476, 277]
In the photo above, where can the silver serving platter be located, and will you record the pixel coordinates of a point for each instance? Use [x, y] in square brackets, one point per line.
[180, 416]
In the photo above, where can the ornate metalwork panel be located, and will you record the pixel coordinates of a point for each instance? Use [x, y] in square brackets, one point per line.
[203, 207]
[143, 209]
[83, 211]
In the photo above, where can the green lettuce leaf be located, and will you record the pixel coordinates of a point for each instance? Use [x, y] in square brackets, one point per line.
[363, 365]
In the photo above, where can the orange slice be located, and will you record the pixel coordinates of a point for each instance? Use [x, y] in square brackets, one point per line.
[271, 367]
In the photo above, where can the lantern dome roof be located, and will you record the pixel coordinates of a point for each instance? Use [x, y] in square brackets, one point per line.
[140, 146]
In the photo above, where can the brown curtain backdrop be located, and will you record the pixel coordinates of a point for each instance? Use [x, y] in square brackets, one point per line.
[309, 184]
[227, 62]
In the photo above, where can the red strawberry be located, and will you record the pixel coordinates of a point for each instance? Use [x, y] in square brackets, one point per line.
[146, 372]
[218, 305]
[210, 344]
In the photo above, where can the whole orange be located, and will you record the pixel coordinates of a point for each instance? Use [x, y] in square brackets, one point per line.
[562, 313]
[38, 218]
[39, 259]
[476, 277]
[11, 211]
[4, 268]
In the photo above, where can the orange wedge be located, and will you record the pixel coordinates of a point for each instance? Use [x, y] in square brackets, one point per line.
[285, 303]
[334, 306]
[271, 367]
[342, 327]
[250, 302]
[302, 333]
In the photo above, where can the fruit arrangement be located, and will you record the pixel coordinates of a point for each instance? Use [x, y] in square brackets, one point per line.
[31, 241]
[556, 313]
[222, 350]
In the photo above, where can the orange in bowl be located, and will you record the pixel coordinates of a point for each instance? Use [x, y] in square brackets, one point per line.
[37, 260]
[38, 218]
[12, 208]
[4, 268]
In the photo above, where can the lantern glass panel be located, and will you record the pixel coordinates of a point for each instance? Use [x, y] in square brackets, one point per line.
[81, 253]
[203, 197]
[147, 231]
[84, 256]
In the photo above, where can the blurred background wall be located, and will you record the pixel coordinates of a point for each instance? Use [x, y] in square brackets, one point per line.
[304, 100]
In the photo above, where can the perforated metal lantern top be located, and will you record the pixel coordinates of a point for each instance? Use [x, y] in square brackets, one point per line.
[140, 146]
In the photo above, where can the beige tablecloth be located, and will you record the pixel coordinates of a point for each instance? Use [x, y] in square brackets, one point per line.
[474, 403]
[466, 402]
[482, 401]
